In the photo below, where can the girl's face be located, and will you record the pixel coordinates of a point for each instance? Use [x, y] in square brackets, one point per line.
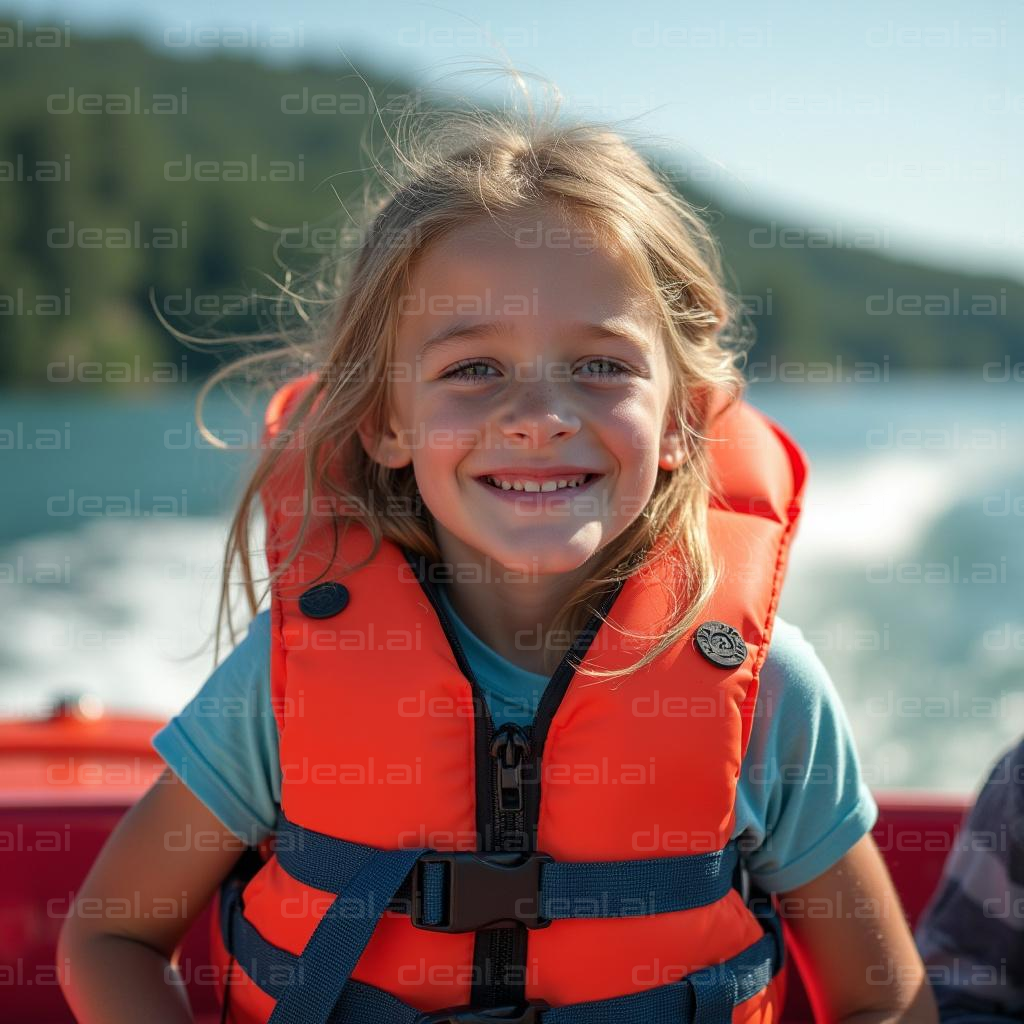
[526, 354]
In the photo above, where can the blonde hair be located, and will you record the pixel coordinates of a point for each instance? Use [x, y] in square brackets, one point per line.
[456, 167]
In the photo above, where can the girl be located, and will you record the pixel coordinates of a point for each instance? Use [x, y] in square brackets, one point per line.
[513, 742]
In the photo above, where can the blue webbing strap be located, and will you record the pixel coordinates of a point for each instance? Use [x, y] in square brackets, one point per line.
[635, 888]
[341, 936]
[271, 968]
[569, 889]
[714, 991]
[703, 997]
[699, 998]
[434, 909]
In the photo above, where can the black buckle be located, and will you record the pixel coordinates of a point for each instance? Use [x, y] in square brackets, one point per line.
[483, 890]
[527, 1014]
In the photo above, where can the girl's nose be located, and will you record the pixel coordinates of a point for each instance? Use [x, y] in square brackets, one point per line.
[538, 411]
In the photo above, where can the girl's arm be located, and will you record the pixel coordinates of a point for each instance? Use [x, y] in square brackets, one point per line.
[852, 940]
[164, 861]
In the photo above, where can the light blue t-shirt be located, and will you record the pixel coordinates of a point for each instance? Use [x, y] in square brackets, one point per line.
[801, 801]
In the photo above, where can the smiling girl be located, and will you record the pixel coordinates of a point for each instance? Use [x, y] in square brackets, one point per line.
[526, 740]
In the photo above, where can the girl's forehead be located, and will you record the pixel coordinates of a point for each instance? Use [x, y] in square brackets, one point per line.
[536, 268]
[528, 231]
[541, 261]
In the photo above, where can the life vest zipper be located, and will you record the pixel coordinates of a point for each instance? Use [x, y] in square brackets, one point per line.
[509, 748]
[499, 955]
[494, 948]
[517, 753]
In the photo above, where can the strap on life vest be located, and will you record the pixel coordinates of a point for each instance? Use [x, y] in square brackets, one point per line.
[707, 996]
[316, 988]
[466, 891]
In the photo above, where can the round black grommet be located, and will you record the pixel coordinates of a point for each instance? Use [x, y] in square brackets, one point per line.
[323, 600]
[721, 644]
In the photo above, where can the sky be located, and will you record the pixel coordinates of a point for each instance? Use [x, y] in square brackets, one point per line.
[905, 119]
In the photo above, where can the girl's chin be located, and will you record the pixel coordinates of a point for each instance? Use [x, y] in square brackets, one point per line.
[541, 559]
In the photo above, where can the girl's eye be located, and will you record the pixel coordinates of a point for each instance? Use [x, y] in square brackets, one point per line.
[461, 371]
[617, 368]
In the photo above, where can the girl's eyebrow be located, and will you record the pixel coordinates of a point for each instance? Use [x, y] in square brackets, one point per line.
[615, 328]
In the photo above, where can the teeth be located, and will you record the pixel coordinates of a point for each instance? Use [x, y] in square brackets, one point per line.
[532, 485]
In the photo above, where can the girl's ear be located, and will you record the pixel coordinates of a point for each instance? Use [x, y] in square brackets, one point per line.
[383, 448]
[673, 452]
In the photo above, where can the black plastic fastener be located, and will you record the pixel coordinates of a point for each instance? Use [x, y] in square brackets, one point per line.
[483, 890]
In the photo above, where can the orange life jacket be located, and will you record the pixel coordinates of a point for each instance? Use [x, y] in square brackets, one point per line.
[604, 885]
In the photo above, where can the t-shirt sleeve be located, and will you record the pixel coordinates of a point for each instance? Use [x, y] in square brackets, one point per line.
[223, 744]
[801, 793]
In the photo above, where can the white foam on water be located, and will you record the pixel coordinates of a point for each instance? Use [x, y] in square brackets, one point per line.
[114, 608]
[861, 516]
[878, 505]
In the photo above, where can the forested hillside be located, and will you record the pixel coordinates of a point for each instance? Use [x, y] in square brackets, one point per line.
[124, 170]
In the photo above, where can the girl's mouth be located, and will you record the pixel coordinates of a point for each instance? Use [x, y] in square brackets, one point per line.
[536, 496]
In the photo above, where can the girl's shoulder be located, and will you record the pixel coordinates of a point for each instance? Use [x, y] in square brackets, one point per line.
[793, 675]
[802, 800]
[223, 744]
[791, 652]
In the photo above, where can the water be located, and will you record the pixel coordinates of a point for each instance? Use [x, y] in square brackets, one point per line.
[907, 572]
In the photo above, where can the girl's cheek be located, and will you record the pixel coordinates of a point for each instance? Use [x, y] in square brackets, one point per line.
[637, 426]
[451, 411]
